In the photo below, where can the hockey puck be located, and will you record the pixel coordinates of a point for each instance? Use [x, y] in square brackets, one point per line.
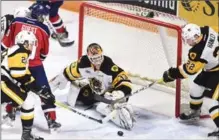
[120, 133]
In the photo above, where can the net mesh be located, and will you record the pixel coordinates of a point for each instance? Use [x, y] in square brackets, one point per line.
[151, 47]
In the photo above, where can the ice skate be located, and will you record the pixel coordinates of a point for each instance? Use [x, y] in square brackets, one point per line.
[9, 119]
[63, 38]
[214, 134]
[54, 126]
[190, 116]
[26, 135]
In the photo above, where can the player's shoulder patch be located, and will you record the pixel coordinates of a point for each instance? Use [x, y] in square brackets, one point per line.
[115, 68]
[192, 55]
[195, 52]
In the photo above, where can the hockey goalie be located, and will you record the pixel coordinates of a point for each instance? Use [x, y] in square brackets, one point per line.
[96, 74]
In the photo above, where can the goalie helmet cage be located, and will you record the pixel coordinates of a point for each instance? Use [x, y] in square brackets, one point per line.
[89, 8]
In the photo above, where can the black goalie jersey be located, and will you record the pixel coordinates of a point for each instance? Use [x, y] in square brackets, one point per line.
[110, 75]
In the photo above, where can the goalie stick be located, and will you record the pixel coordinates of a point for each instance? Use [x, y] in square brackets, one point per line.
[101, 121]
[102, 99]
[139, 90]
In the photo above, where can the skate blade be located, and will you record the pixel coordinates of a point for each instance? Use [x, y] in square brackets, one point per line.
[66, 44]
[54, 130]
[213, 137]
[190, 121]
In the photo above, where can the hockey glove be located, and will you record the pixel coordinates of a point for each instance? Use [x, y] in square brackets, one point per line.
[167, 77]
[46, 95]
[115, 95]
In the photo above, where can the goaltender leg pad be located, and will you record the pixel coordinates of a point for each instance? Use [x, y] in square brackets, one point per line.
[73, 95]
[123, 117]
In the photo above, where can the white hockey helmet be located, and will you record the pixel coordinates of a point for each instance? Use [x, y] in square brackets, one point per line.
[21, 12]
[190, 33]
[95, 54]
[29, 40]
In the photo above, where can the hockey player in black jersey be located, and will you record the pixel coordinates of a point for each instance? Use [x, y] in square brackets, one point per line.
[17, 81]
[7, 19]
[203, 57]
[95, 73]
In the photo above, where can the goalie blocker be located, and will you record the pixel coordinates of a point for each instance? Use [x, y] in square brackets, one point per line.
[96, 73]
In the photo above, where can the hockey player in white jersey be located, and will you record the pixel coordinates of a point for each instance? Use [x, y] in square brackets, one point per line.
[203, 56]
[101, 76]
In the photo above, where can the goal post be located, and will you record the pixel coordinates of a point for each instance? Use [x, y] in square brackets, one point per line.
[163, 29]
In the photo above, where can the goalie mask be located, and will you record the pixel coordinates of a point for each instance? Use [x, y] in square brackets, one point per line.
[95, 54]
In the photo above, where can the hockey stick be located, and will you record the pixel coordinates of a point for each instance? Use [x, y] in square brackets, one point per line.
[63, 105]
[102, 99]
[139, 90]
[101, 121]
[53, 30]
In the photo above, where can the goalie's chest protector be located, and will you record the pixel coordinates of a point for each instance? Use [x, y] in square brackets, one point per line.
[100, 75]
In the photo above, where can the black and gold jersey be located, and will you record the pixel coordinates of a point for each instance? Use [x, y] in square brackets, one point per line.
[15, 64]
[202, 56]
[111, 75]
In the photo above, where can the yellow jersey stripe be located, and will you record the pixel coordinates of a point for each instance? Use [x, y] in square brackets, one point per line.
[27, 116]
[11, 94]
[216, 93]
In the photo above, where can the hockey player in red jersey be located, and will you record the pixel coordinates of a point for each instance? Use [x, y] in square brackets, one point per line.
[34, 23]
[60, 33]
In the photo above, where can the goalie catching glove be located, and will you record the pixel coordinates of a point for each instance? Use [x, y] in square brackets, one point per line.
[115, 95]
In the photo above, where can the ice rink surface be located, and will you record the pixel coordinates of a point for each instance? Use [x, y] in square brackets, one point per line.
[154, 110]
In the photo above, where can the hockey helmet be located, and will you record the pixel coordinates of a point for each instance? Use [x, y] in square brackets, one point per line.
[29, 40]
[39, 12]
[95, 54]
[191, 33]
[21, 12]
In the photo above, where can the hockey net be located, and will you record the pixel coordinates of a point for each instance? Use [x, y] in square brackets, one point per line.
[145, 47]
